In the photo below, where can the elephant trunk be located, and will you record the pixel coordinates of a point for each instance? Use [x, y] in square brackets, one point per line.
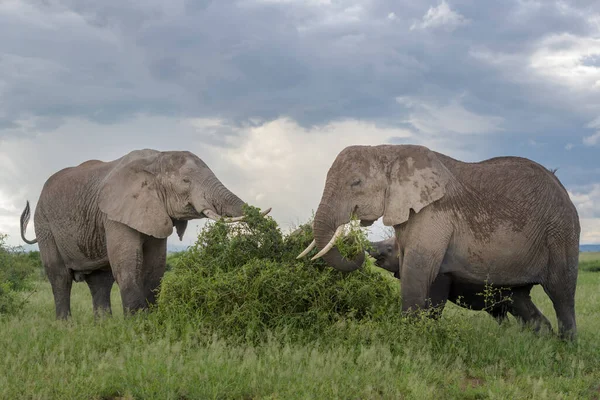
[325, 225]
[374, 249]
[226, 203]
[231, 205]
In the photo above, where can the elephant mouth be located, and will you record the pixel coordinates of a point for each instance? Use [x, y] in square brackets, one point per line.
[338, 232]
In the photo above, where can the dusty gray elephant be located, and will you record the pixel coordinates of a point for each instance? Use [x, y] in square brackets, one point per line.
[101, 221]
[501, 301]
[506, 220]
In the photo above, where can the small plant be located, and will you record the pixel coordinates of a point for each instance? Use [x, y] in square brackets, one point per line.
[493, 296]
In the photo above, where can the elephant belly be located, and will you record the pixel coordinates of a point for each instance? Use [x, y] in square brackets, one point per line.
[506, 260]
[83, 253]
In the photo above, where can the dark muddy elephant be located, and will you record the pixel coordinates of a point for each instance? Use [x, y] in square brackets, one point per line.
[498, 302]
[101, 221]
[506, 220]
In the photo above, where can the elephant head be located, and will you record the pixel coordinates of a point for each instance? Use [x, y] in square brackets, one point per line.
[369, 182]
[153, 191]
[386, 254]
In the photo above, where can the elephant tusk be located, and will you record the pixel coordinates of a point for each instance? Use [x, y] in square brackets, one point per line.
[331, 243]
[308, 249]
[233, 219]
[211, 214]
[216, 217]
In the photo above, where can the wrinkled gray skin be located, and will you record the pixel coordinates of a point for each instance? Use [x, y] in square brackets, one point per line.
[102, 221]
[387, 256]
[507, 220]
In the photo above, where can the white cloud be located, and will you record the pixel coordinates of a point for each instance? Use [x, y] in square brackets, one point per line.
[284, 166]
[590, 230]
[569, 146]
[441, 17]
[587, 202]
[594, 124]
[453, 117]
[563, 58]
[592, 140]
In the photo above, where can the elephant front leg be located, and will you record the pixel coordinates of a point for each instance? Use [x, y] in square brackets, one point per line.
[438, 294]
[126, 257]
[155, 264]
[419, 271]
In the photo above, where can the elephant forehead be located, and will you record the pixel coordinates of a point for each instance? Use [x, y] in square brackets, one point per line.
[184, 162]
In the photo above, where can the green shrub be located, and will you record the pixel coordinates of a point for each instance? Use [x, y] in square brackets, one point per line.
[243, 281]
[172, 259]
[17, 270]
[9, 299]
[591, 265]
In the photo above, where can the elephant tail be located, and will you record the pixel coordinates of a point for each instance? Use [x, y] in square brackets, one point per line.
[24, 221]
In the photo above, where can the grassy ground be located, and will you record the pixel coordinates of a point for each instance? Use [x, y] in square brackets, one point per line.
[589, 261]
[465, 355]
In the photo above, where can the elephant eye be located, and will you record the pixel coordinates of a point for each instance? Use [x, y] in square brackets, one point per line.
[186, 180]
[356, 183]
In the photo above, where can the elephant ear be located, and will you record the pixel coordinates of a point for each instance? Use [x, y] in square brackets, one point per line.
[417, 178]
[129, 195]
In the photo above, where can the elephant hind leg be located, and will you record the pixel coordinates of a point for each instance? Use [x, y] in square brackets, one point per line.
[499, 313]
[100, 283]
[560, 286]
[526, 311]
[59, 276]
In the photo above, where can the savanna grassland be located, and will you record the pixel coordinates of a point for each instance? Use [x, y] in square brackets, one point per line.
[239, 318]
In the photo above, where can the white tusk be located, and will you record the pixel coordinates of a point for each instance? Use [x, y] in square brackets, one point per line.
[215, 217]
[211, 214]
[308, 249]
[331, 243]
[234, 219]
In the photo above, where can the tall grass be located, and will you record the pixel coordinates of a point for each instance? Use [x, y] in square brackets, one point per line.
[465, 355]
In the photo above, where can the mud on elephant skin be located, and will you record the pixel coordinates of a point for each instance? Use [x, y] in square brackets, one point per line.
[497, 302]
[506, 220]
[106, 221]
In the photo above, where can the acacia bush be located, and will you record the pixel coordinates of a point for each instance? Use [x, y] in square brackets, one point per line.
[17, 270]
[243, 280]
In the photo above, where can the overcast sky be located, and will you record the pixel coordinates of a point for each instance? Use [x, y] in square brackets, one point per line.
[267, 92]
